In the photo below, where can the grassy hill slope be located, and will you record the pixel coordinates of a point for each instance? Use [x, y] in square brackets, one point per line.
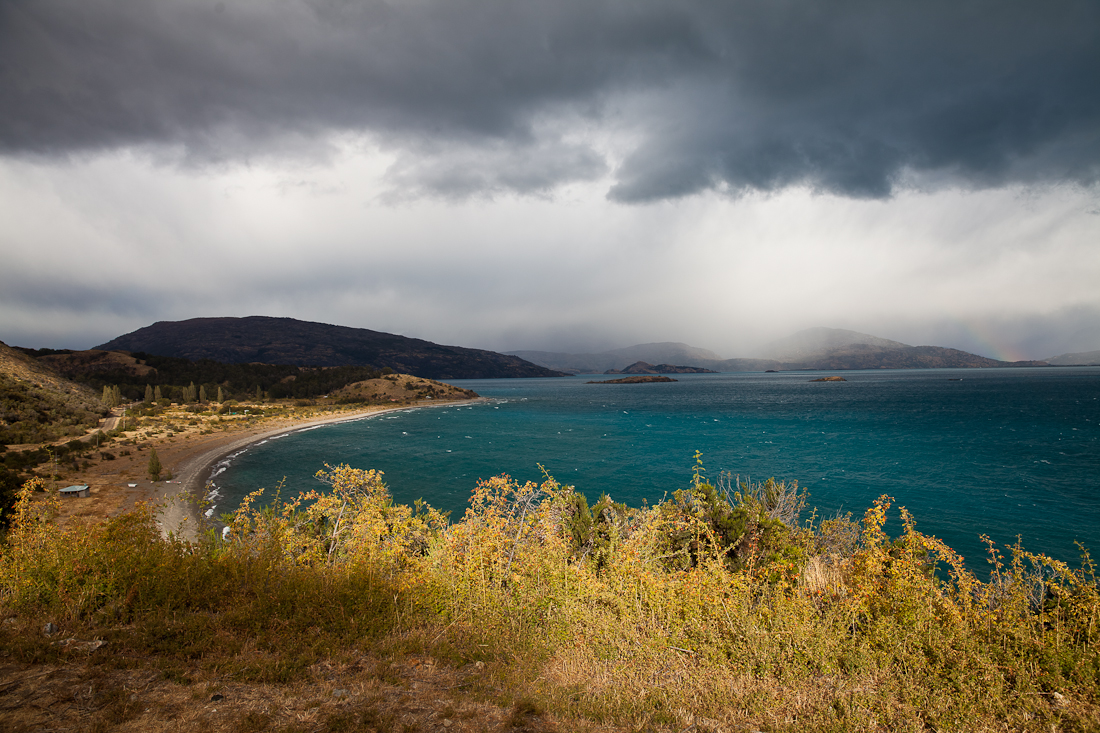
[38, 405]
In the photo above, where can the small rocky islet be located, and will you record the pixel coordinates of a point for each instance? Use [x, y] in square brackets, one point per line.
[635, 380]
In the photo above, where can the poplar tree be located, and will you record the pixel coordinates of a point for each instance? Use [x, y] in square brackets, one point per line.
[157, 396]
[112, 396]
[221, 397]
[149, 394]
[154, 465]
[202, 393]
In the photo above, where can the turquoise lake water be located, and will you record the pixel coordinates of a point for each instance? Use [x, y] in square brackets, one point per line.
[967, 451]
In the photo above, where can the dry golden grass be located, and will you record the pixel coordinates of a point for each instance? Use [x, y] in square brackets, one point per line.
[364, 692]
[503, 621]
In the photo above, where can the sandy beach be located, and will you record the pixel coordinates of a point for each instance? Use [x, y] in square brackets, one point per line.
[181, 512]
[118, 484]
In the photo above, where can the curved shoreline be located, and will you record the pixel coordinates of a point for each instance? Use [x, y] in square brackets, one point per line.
[182, 515]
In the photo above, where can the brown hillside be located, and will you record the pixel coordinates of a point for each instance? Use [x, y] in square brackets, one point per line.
[400, 388]
[38, 405]
[23, 368]
[96, 361]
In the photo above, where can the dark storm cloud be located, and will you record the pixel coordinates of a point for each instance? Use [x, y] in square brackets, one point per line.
[483, 95]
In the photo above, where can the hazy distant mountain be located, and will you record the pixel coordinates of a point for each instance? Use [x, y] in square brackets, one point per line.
[837, 348]
[859, 356]
[814, 348]
[814, 342]
[750, 365]
[290, 341]
[1082, 358]
[667, 352]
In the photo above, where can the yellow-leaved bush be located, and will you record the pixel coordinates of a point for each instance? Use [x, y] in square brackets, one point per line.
[354, 522]
[718, 599]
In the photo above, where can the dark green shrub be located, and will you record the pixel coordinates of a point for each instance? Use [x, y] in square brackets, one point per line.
[578, 521]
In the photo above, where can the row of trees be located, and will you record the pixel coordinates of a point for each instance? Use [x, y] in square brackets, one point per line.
[112, 396]
[305, 384]
[186, 395]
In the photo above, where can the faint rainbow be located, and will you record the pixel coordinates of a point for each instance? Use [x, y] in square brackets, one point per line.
[989, 344]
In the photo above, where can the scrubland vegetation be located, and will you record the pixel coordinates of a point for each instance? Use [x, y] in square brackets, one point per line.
[32, 413]
[721, 607]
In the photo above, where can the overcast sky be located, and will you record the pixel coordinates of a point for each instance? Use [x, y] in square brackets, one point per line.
[555, 174]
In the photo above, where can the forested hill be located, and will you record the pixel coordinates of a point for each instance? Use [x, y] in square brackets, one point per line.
[290, 341]
[133, 372]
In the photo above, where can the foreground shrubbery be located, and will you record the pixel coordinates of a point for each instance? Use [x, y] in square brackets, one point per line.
[716, 602]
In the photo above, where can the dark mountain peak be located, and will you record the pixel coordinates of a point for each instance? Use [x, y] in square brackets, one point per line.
[272, 340]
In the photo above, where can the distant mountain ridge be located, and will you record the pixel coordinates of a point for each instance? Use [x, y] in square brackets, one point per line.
[811, 349]
[289, 341]
[908, 357]
[813, 342]
[1083, 358]
[305, 343]
[664, 352]
[837, 348]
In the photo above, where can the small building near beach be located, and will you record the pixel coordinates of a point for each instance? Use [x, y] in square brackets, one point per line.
[76, 491]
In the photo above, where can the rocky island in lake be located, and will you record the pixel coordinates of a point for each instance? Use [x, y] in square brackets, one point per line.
[635, 380]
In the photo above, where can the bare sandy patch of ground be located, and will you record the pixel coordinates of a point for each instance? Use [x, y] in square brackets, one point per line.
[89, 691]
